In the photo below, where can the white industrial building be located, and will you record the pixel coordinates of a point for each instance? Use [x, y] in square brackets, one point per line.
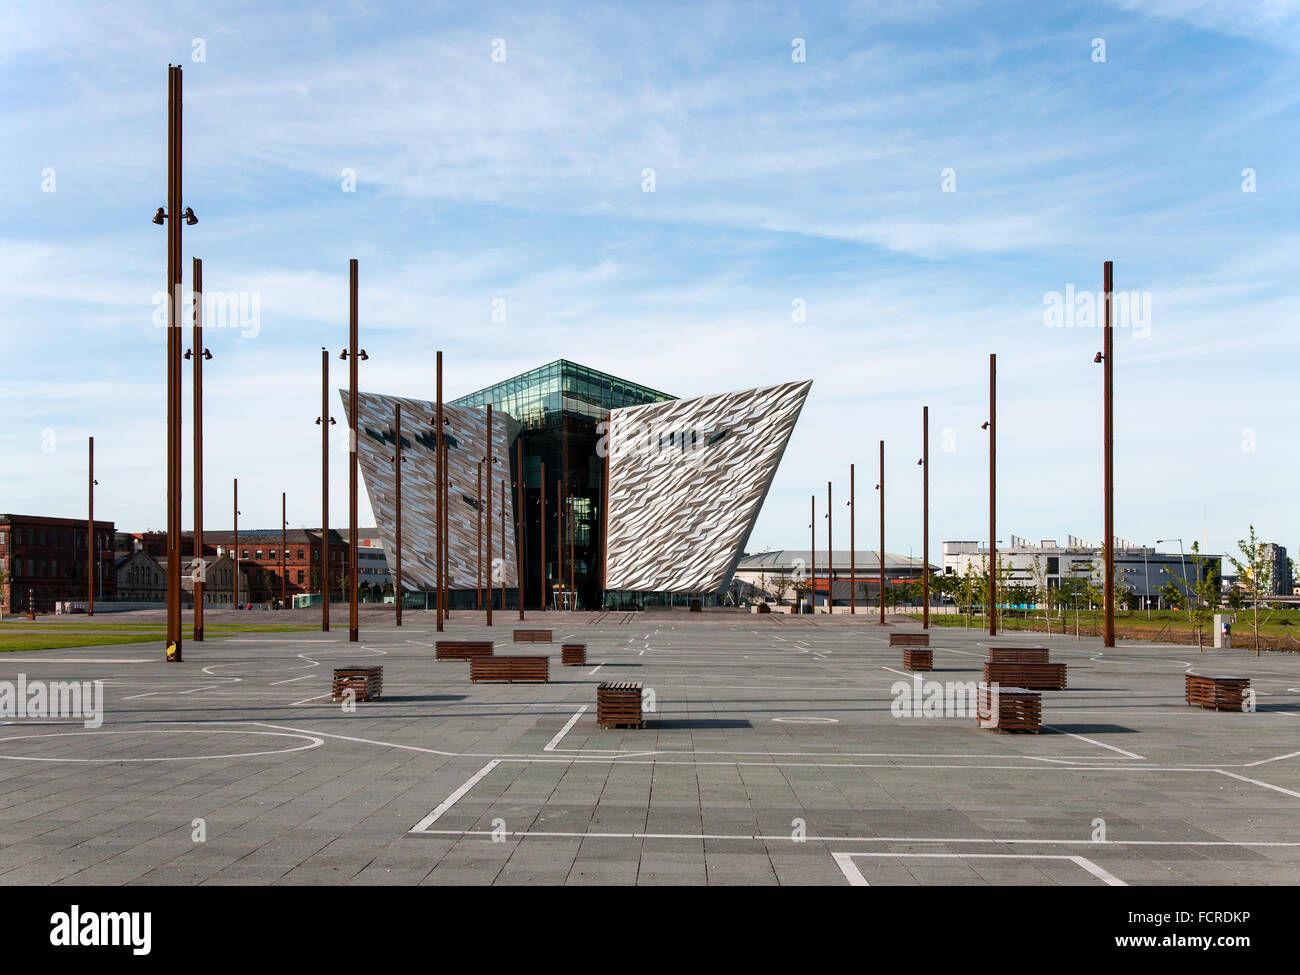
[1137, 567]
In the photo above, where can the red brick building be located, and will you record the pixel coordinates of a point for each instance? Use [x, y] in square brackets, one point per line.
[47, 558]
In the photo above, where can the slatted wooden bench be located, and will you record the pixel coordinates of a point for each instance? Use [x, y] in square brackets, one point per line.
[618, 705]
[573, 654]
[909, 639]
[461, 649]
[510, 669]
[366, 683]
[1018, 655]
[1220, 693]
[532, 636]
[1010, 709]
[918, 659]
[1038, 677]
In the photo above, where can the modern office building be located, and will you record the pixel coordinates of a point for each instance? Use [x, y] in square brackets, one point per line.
[686, 479]
[1281, 583]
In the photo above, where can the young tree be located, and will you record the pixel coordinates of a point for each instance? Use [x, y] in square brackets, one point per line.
[780, 588]
[4, 590]
[1256, 568]
[1204, 596]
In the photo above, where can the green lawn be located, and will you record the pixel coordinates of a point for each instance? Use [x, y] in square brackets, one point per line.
[1275, 623]
[51, 636]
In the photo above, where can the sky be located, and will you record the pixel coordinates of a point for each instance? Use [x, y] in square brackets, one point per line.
[698, 197]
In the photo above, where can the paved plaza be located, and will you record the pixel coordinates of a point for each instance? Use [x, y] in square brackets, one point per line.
[773, 756]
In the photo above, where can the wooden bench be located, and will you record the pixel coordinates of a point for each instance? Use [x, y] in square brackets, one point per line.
[366, 683]
[532, 636]
[573, 654]
[1220, 693]
[909, 639]
[1009, 709]
[1018, 655]
[918, 659]
[461, 649]
[510, 669]
[618, 705]
[1038, 677]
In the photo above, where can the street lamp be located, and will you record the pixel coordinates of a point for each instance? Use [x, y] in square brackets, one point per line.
[1106, 358]
[991, 425]
[325, 421]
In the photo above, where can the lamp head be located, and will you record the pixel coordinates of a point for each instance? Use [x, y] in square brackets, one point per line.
[159, 216]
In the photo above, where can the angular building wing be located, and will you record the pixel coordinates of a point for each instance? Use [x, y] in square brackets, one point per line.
[687, 479]
[466, 433]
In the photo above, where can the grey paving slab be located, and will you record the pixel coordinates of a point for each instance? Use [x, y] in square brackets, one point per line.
[750, 736]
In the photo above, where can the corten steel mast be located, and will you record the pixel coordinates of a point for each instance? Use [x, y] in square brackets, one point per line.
[487, 462]
[812, 554]
[234, 550]
[175, 220]
[437, 493]
[604, 507]
[521, 549]
[544, 578]
[881, 485]
[284, 558]
[925, 517]
[573, 586]
[478, 526]
[353, 356]
[559, 538]
[830, 552]
[853, 559]
[993, 494]
[505, 489]
[397, 476]
[1108, 423]
[325, 421]
[198, 571]
[90, 536]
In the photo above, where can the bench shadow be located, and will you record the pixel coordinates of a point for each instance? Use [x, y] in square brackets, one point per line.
[697, 723]
[1090, 729]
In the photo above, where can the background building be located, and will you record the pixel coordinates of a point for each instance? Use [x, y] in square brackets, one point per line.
[558, 408]
[764, 573]
[1138, 568]
[47, 558]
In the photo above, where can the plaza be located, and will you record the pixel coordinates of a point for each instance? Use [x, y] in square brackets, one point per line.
[771, 756]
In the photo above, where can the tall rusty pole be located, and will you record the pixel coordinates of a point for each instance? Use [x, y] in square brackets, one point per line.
[544, 578]
[175, 219]
[573, 584]
[883, 580]
[1108, 436]
[521, 549]
[437, 496]
[284, 556]
[993, 494]
[478, 526]
[325, 421]
[487, 462]
[559, 538]
[198, 570]
[604, 507]
[397, 554]
[812, 556]
[90, 535]
[505, 489]
[234, 551]
[925, 517]
[830, 552]
[853, 556]
[354, 356]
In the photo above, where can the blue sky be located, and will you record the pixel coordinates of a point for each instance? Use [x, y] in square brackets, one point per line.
[775, 181]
